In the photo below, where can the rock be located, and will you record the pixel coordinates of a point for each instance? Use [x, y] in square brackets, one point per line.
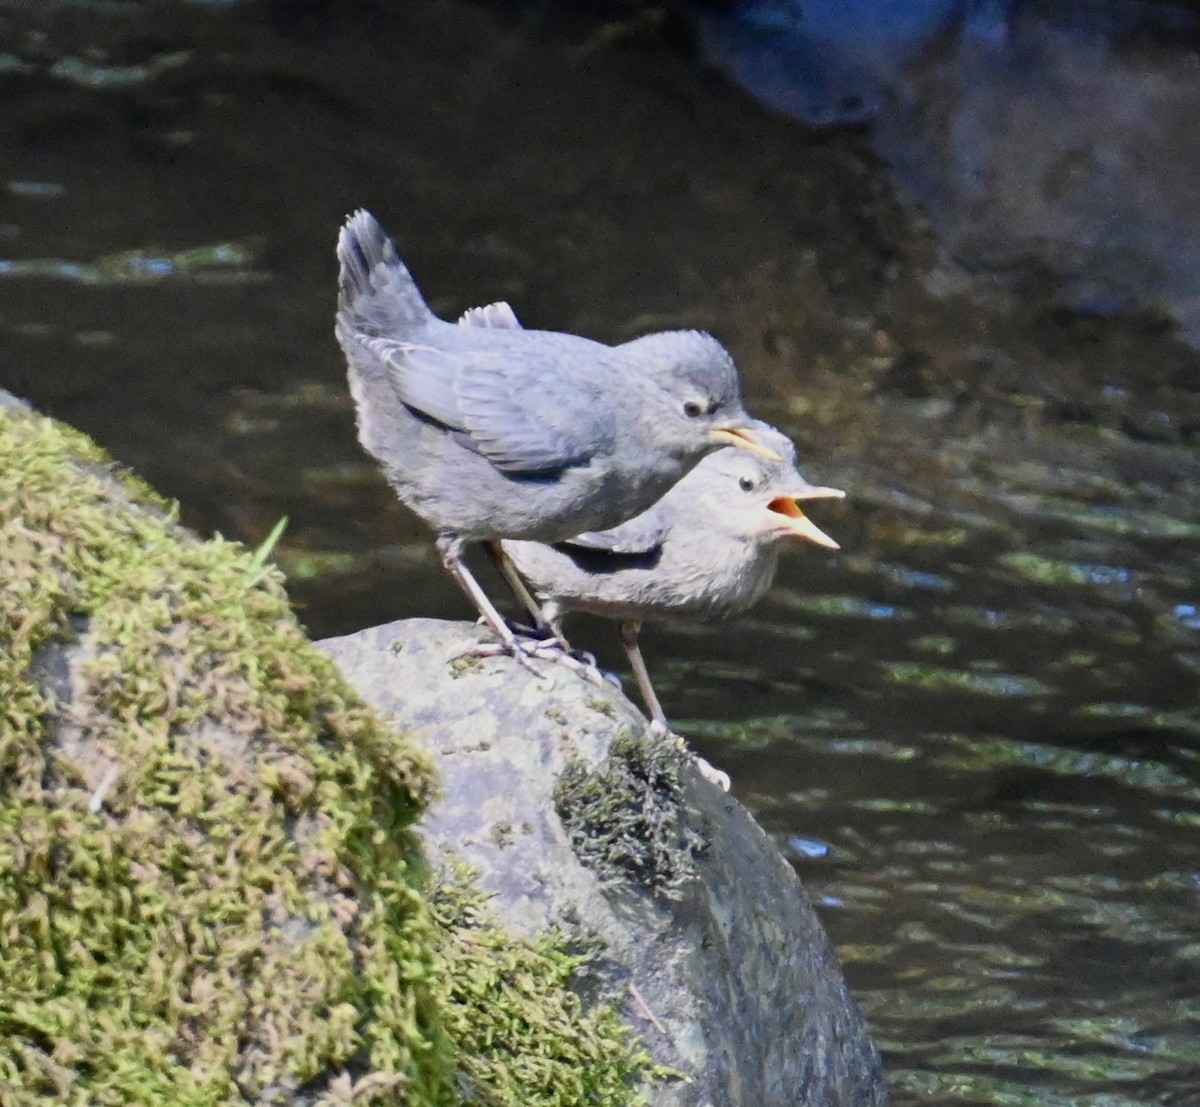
[1052, 147]
[1097, 195]
[576, 819]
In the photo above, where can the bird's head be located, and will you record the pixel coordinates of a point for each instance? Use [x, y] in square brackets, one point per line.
[695, 398]
[757, 500]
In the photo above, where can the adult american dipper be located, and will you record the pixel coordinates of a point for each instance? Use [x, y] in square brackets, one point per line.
[708, 549]
[490, 431]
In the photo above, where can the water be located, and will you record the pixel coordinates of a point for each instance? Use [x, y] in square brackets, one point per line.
[989, 781]
[974, 731]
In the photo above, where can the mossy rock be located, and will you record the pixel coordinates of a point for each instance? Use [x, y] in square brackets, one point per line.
[580, 822]
[211, 890]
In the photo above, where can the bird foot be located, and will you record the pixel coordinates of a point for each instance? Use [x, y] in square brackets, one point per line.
[526, 650]
[583, 664]
[521, 650]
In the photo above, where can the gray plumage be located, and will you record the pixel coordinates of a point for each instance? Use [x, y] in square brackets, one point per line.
[708, 549]
[488, 430]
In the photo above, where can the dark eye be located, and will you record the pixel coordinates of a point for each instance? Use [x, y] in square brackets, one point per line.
[692, 409]
[747, 484]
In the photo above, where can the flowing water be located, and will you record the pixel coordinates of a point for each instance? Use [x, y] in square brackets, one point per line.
[975, 730]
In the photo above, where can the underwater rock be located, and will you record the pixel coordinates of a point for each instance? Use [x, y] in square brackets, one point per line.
[574, 818]
[827, 63]
[1046, 142]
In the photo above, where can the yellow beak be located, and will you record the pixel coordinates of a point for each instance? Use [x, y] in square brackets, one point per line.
[800, 524]
[745, 440]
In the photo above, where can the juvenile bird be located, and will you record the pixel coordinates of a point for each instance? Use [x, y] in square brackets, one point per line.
[491, 431]
[708, 549]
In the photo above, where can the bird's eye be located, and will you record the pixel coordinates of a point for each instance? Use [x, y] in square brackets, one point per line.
[747, 485]
[693, 410]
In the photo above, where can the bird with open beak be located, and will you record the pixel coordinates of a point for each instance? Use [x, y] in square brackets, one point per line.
[707, 550]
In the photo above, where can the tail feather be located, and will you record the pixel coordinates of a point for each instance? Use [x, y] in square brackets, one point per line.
[376, 293]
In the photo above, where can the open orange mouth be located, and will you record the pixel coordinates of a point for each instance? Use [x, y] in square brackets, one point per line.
[800, 524]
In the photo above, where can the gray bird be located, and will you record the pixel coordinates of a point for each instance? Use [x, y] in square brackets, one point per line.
[707, 550]
[490, 431]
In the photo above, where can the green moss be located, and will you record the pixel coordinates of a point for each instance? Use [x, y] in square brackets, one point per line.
[521, 1030]
[195, 913]
[466, 663]
[626, 816]
[238, 910]
[602, 707]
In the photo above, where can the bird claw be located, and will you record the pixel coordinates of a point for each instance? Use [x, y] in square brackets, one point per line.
[584, 665]
[519, 650]
[544, 649]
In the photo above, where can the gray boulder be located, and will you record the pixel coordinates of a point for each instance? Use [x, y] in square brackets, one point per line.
[575, 818]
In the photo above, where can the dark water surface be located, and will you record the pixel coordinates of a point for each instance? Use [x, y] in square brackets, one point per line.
[975, 730]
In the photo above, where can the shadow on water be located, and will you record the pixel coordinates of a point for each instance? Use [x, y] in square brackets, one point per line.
[975, 730]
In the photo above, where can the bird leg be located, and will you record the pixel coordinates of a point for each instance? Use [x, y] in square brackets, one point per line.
[628, 631]
[450, 548]
[512, 578]
[547, 618]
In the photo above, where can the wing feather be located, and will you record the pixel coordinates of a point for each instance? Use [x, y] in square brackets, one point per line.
[525, 420]
[642, 534]
[522, 418]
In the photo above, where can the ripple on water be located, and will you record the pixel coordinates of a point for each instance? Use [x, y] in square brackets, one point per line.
[94, 74]
[1049, 620]
[918, 579]
[1148, 774]
[219, 263]
[1041, 917]
[1058, 571]
[939, 678]
[842, 606]
[1187, 615]
[1108, 519]
[36, 190]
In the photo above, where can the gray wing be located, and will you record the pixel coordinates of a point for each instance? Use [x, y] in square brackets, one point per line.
[642, 534]
[497, 315]
[524, 417]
